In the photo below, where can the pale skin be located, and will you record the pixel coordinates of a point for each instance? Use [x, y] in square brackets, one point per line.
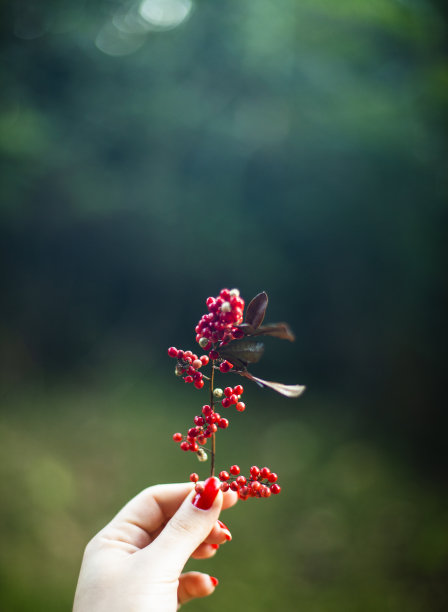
[135, 563]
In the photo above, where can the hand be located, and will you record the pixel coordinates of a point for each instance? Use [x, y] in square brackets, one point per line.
[134, 564]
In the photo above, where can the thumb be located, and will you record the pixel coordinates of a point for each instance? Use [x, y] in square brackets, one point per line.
[186, 530]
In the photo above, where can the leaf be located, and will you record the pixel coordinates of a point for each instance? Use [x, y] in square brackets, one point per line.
[286, 390]
[279, 330]
[256, 310]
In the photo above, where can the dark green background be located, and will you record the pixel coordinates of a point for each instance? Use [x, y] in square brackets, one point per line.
[296, 147]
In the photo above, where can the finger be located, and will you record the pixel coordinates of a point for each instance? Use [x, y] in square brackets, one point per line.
[185, 531]
[193, 585]
[205, 551]
[219, 534]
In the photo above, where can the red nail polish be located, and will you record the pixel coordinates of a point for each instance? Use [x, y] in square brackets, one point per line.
[205, 500]
[214, 580]
[222, 525]
[215, 546]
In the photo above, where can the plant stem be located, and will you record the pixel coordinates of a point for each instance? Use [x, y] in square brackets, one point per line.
[212, 466]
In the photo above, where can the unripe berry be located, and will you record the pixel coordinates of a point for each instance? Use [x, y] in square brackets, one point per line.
[218, 393]
[202, 455]
[203, 342]
[235, 470]
[226, 307]
[197, 363]
[234, 293]
[177, 437]
[194, 477]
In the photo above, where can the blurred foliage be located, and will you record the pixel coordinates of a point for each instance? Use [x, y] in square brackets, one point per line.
[153, 152]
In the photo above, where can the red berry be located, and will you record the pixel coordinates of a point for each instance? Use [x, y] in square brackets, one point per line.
[199, 384]
[225, 367]
[213, 355]
[197, 363]
[241, 406]
[194, 447]
[177, 437]
[225, 402]
[233, 399]
[256, 486]
[188, 379]
[264, 472]
[238, 390]
[213, 427]
[272, 477]
[201, 439]
[228, 391]
[275, 489]
[223, 423]
[194, 477]
[199, 488]
[241, 480]
[204, 359]
[198, 420]
[225, 486]
[172, 351]
[243, 493]
[185, 445]
[180, 354]
[234, 486]
[235, 470]
[206, 410]
[192, 432]
[224, 475]
[254, 471]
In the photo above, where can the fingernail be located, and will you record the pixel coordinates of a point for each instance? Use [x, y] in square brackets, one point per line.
[205, 500]
[214, 580]
[215, 546]
[223, 526]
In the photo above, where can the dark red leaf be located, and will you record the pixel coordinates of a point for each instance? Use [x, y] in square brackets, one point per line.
[256, 310]
[279, 330]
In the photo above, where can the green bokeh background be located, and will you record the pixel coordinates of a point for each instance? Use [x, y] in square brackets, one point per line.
[296, 147]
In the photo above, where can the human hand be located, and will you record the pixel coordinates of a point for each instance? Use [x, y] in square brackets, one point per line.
[134, 564]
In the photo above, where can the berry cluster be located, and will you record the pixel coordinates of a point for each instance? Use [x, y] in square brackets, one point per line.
[219, 324]
[188, 365]
[261, 482]
[205, 425]
[232, 396]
